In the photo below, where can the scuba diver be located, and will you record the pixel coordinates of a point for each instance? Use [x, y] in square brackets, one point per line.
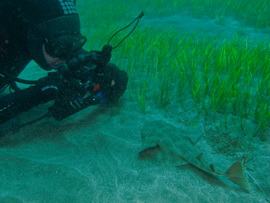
[48, 32]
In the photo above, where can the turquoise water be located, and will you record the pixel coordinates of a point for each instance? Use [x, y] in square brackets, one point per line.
[97, 154]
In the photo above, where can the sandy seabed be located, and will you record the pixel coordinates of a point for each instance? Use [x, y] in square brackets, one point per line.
[93, 157]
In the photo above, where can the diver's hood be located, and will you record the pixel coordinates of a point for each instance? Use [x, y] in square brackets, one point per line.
[65, 27]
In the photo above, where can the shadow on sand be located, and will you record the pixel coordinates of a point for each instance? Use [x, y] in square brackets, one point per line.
[48, 129]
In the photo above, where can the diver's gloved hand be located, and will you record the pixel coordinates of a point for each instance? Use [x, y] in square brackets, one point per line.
[74, 101]
[52, 80]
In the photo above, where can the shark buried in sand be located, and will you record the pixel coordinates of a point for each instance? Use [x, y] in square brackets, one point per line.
[163, 139]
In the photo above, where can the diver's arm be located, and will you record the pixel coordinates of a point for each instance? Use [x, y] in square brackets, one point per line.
[20, 101]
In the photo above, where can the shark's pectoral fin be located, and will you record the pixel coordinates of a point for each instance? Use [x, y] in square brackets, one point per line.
[236, 174]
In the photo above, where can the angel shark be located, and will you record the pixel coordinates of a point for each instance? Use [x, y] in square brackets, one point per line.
[159, 137]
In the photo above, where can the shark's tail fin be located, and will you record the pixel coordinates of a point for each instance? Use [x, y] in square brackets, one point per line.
[236, 174]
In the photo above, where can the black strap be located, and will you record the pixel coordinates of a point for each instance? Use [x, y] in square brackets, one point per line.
[136, 21]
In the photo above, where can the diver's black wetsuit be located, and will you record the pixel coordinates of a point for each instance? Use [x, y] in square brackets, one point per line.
[14, 55]
[17, 18]
[29, 26]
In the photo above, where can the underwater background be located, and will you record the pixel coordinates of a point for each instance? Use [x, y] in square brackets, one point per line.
[193, 125]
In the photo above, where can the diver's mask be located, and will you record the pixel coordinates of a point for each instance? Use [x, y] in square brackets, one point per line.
[64, 46]
[61, 38]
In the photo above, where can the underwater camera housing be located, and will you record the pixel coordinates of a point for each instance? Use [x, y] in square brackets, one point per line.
[79, 90]
[86, 93]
